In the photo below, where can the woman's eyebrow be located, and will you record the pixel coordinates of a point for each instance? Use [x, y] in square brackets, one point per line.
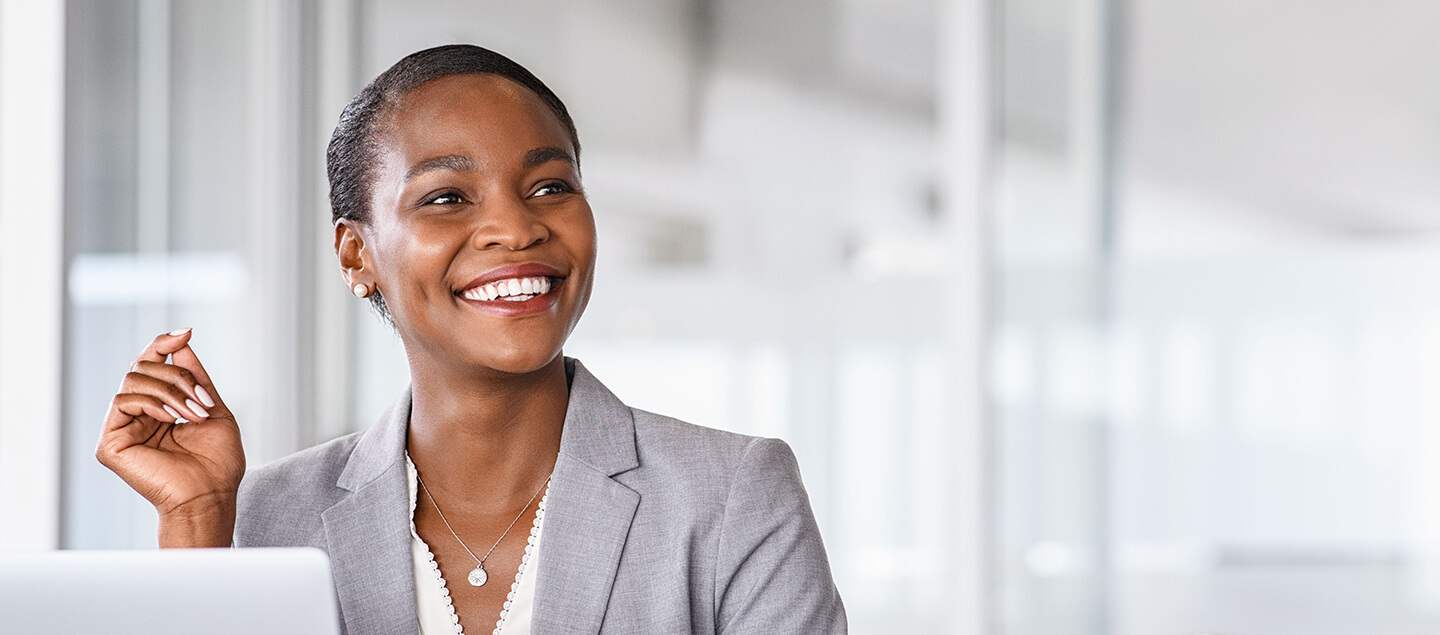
[547, 154]
[452, 162]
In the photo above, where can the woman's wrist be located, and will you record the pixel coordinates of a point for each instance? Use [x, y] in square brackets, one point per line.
[208, 521]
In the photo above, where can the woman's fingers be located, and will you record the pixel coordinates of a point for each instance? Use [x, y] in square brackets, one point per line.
[164, 345]
[185, 357]
[134, 404]
[128, 426]
[192, 377]
[180, 377]
[131, 448]
[129, 408]
[170, 394]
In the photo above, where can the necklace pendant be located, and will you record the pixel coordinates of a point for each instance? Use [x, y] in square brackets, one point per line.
[478, 576]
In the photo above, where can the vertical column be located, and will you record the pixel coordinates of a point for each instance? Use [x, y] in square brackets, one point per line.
[966, 123]
[272, 428]
[337, 79]
[303, 70]
[32, 163]
[152, 166]
[152, 130]
[1091, 144]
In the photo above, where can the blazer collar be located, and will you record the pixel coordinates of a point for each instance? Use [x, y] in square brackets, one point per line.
[381, 449]
[587, 518]
[599, 429]
[368, 532]
[588, 514]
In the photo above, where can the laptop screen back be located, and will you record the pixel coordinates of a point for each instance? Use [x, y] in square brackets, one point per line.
[171, 591]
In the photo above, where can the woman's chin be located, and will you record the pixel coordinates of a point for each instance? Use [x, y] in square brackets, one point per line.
[518, 362]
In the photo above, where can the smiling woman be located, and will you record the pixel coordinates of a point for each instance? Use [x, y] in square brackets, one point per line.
[459, 212]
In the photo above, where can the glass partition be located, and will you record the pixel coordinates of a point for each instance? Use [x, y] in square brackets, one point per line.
[159, 219]
[1214, 346]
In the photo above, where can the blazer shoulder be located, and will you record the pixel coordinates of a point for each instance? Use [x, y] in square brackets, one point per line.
[665, 442]
[764, 554]
[280, 503]
[707, 463]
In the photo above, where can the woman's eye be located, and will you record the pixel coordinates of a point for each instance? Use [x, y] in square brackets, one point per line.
[554, 187]
[444, 198]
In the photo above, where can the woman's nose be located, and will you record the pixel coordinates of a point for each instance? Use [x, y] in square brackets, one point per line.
[507, 222]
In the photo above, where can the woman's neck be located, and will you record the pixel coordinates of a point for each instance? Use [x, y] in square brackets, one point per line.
[486, 438]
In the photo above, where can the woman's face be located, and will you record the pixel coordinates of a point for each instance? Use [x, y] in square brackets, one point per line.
[480, 238]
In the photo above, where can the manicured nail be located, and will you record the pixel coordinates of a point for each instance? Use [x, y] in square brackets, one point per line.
[171, 412]
[204, 396]
[195, 407]
[179, 332]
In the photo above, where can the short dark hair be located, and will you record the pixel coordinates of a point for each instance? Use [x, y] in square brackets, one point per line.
[351, 156]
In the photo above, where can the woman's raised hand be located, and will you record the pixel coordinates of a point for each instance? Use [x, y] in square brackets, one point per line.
[171, 438]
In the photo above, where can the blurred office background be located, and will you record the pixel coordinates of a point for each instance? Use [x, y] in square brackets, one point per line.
[1082, 316]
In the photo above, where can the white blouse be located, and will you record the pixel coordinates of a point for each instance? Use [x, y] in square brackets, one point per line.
[432, 598]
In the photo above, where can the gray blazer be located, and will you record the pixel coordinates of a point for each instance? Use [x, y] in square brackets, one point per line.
[653, 526]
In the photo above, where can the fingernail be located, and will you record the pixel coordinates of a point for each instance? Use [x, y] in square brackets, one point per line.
[179, 332]
[204, 396]
[195, 407]
[172, 413]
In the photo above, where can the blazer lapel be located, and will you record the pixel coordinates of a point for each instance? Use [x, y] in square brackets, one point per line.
[368, 532]
[588, 514]
[587, 519]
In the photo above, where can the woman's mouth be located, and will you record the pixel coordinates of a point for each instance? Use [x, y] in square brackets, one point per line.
[510, 289]
[514, 291]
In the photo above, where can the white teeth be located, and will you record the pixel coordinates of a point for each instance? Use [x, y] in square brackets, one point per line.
[513, 289]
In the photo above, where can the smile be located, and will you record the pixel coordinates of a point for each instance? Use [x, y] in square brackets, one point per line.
[509, 289]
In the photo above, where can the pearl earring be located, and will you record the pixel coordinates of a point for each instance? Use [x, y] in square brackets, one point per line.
[361, 290]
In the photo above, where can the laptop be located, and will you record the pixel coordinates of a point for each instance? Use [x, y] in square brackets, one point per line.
[168, 592]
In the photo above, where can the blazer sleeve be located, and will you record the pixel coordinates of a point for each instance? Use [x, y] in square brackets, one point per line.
[772, 575]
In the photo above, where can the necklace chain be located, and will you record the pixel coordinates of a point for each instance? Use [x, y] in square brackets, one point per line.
[479, 561]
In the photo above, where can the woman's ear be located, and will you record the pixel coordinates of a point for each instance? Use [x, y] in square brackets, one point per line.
[354, 258]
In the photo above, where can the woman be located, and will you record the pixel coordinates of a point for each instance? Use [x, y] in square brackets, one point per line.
[506, 486]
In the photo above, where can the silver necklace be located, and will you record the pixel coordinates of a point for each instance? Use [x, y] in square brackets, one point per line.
[477, 575]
